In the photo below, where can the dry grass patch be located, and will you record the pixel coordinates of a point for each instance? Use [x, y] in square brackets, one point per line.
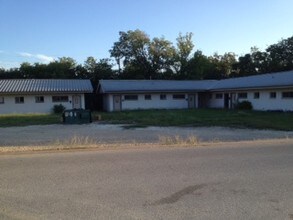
[81, 142]
[179, 141]
[76, 141]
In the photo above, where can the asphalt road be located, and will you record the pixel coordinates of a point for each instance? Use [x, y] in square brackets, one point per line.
[248, 181]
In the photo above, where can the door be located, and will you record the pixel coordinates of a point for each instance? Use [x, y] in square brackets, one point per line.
[191, 101]
[117, 103]
[233, 100]
[76, 101]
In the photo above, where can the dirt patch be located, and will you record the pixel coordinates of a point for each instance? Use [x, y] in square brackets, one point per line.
[112, 134]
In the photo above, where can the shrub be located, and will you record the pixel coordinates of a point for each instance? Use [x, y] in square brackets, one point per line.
[244, 105]
[58, 109]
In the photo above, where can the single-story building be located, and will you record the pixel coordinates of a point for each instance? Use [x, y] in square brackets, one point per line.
[40, 95]
[153, 94]
[272, 91]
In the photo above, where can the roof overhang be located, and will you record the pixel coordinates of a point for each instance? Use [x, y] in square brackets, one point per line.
[151, 91]
[252, 88]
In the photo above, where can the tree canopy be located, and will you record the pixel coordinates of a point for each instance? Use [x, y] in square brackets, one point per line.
[137, 56]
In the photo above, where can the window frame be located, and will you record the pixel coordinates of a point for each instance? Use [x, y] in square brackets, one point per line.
[147, 97]
[39, 99]
[163, 97]
[242, 95]
[2, 100]
[19, 100]
[256, 95]
[273, 95]
[130, 97]
[178, 96]
[60, 98]
[287, 97]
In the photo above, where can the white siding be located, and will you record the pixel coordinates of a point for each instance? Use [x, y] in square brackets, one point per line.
[264, 102]
[30, 106]
[155, 102]
[216, 103]
[141, 103]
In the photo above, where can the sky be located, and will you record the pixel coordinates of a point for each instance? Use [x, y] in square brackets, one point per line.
[45, 30]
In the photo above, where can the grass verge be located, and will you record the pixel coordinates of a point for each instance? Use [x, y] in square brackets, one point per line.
[29, 119]
[193, 118]
[203, 117]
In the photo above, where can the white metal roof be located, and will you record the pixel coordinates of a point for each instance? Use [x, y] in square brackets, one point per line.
[279, 79]
[271, 80]
[45, 86]
[116, 86]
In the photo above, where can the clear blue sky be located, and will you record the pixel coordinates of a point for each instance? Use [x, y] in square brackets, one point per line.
[41, 30]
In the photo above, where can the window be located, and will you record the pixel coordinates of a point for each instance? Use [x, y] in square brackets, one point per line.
[163, 97]
[19, 100]
[39, 99]
[179, 96]
[285, 95]
[256, 95]
[131, 97]
[273, 95]
[242, 95]
[59, 98]
[219, 96]
[147, 97]
[1, 100]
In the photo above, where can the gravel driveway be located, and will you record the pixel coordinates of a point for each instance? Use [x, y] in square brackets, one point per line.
[109, 133]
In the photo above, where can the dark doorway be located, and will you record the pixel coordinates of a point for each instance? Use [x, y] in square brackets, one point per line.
[203, 99]
[94, 102]
[226, 100]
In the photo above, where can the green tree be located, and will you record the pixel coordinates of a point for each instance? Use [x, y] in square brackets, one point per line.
[104, 69]
[63, 68]
[81, 72]
[98, 70]
[26, 70]
[280, 55]
[161, 56]
[223, 65]
[90, 65]
[137, 56]
[200, 67]
[132, 49]
[184, 48]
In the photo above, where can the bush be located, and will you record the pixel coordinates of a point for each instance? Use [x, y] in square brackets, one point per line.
[244, 105]
[58, 109]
